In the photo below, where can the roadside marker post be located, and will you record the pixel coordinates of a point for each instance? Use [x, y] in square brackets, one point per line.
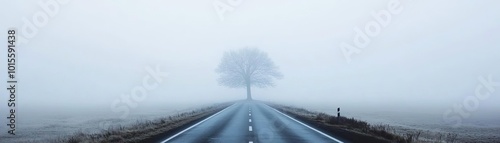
[338, 114]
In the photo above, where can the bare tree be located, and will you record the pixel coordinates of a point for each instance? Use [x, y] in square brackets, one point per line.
[247, 67]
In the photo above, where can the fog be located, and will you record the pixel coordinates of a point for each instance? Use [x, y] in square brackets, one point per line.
[430, 56]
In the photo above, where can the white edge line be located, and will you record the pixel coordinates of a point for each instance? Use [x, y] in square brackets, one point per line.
[194, 125]
[307, 126]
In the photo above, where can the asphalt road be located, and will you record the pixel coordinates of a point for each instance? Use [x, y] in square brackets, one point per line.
[250, 122]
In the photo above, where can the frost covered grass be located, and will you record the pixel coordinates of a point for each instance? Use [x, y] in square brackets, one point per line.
[143, 130]
[405, 121]
[140, 131]
[359, 130]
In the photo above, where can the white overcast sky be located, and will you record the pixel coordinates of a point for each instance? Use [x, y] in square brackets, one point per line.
[92, 51]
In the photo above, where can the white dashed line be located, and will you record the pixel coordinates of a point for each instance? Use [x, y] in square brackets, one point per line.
[249, 114]
[250, 128]
[250, 120]
[250, 142]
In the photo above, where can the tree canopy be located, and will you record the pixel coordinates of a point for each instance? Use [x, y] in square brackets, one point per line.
[247, 67]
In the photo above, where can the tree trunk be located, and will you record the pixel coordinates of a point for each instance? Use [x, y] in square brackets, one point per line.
[249, 91]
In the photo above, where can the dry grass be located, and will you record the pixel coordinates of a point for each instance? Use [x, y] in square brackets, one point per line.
[353, 125]
[141, 130]
[383, 131]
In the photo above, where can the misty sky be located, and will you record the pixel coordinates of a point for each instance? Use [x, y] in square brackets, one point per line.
[92, 51]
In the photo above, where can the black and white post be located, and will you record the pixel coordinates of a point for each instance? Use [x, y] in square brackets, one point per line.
[338, 112]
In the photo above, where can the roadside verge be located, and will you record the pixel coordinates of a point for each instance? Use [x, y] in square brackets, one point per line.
[146, 131]
[348, 129]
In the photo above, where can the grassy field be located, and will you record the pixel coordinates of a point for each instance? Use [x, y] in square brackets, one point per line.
[414, 126]
[143, 131]
[100, 127]
[357, 130]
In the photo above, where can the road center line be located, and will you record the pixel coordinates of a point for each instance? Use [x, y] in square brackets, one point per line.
[250, 128]
[250, 120]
